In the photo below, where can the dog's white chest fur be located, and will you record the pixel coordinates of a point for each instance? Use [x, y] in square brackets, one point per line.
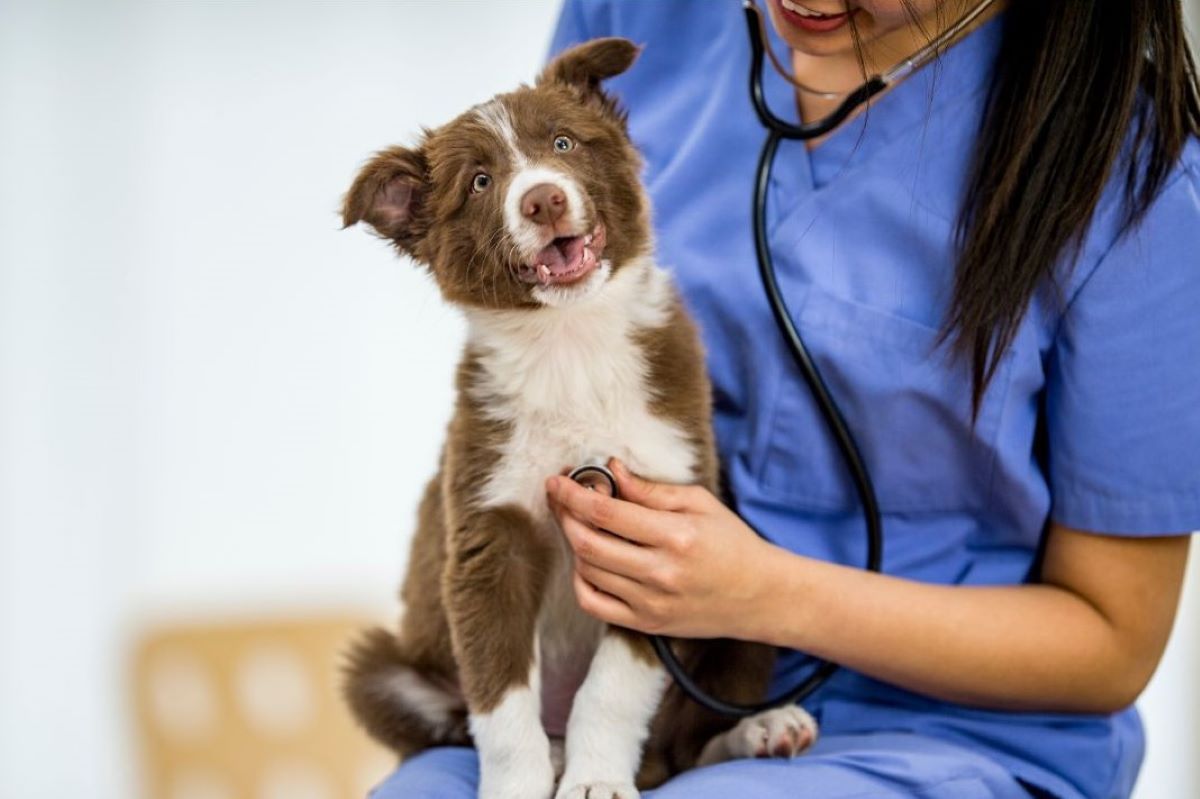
[572, 385]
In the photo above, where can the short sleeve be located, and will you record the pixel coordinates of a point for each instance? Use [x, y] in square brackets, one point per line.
[1123, 382]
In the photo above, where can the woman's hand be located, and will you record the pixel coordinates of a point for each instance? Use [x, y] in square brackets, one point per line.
[1085, 639]
[664, 559]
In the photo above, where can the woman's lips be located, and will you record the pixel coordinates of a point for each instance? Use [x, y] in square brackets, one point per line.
[801, 17]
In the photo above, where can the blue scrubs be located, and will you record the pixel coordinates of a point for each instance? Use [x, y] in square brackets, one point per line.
[1092, 420]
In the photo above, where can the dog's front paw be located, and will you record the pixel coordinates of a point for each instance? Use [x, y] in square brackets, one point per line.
[597, 790]
[779, 732]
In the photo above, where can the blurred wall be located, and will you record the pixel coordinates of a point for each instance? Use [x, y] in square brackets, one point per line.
[211, 400]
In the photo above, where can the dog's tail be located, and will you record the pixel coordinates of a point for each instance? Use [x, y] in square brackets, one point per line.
[401, 705]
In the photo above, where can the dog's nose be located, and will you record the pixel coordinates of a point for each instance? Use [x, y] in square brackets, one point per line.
[544, 204]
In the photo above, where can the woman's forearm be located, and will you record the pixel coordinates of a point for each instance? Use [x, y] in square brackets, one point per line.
[1028, 647]
[673, 560]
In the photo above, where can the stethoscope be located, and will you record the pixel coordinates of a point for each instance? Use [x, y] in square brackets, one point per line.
[601, 479]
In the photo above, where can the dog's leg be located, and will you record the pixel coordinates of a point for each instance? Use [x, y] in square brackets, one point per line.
[736, 671]
[611, 718]
[493, 584]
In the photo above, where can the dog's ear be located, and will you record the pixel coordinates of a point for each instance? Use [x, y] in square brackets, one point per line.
[389, 194]
[584, 66]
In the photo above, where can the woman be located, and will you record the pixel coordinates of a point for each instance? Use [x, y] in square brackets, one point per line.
[997, 267]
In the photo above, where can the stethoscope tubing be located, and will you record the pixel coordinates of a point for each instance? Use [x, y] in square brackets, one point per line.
[778, 130]
[847, 446]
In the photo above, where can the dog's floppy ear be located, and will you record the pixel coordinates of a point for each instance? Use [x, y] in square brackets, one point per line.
[389, 195]
[585, 65]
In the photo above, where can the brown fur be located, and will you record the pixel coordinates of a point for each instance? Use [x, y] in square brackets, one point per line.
[496, 565]
[477, 576]
[684, 394]
[418, 199]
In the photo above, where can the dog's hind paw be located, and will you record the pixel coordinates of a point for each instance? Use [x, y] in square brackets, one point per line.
[779, 732]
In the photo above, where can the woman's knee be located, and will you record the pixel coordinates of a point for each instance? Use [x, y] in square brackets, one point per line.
[447, 772]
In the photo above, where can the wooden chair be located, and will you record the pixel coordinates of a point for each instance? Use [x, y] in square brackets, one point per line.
[250, 710]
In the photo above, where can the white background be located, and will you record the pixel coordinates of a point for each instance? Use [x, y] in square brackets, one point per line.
[212, 400]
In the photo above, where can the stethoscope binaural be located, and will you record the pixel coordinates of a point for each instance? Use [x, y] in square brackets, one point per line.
[599, 478]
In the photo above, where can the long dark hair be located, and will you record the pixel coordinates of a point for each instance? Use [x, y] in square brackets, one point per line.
[1076, 82]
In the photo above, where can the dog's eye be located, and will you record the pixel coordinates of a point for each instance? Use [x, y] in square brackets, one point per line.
[563, 144]
[481, 182]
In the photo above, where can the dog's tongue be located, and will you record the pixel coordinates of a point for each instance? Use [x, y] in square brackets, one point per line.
[561, 261]
[561, 255]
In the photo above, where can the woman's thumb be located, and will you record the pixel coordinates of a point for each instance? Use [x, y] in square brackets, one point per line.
[648, 493]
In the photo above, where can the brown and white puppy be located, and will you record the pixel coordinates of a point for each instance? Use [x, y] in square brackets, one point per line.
[529, 213]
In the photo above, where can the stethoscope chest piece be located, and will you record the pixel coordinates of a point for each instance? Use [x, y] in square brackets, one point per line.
[596, 478]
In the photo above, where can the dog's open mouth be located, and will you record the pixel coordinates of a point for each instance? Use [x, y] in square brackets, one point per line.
[565, 260]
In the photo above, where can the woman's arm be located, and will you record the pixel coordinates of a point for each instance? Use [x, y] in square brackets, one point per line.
[1085, 639]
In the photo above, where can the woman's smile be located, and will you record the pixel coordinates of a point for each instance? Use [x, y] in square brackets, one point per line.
[810, 20]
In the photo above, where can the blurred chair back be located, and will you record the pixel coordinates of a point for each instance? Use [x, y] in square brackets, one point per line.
[250, 710]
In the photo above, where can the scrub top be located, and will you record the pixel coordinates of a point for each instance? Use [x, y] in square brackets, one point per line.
[1092, 419]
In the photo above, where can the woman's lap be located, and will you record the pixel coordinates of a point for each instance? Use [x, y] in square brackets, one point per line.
[883, 766]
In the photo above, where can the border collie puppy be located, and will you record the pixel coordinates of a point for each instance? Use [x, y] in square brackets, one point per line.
[529, 214]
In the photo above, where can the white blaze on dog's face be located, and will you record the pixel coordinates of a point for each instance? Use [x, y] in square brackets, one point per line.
[558, 237]
[530, 199]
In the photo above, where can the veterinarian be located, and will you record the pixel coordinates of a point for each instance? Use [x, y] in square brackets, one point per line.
[996, 265]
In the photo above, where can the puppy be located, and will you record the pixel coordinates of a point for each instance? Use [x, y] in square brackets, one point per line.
[528, 212]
